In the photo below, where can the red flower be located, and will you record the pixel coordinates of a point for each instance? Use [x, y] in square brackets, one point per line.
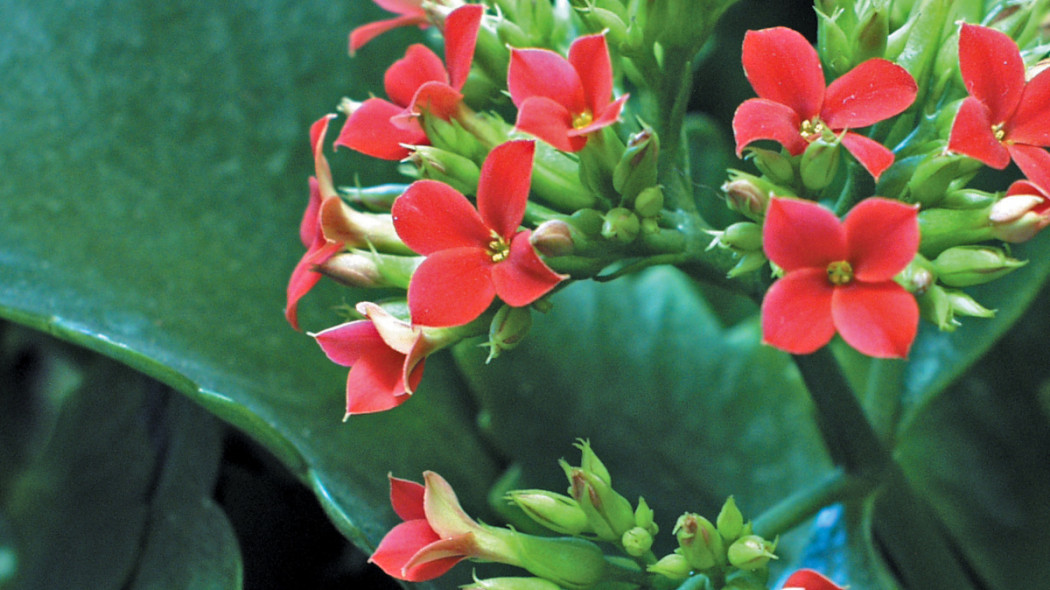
[436, 534]
[319, 247]
[839, 277]
[411, 13]
[560, 101]
[473, 255]
[1004, 118]
[385, 356]
[417, 82]
[1023, 212]
[809, 580]
[794, 107]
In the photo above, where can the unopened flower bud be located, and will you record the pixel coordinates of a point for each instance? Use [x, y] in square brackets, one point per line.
[963, 304]
[570, 562]
[512, 583]
[833, 44]
[511, 34]
[637, 541]
[749, 195]
[749, 262]
[743, 236]
[599, 18]
[509, 327]
[931, 178]
[673, 566]
[608, 513]
[636, 169]
[643, 517]
[872, 33]
[730, 521]
[452, 169]
[553, 238]
[557, 512]
[588, 221]
[936, 308]
[621, 225]
[967, 198]
[819, 164]
[965, 266]
[1022, 213]
[943, 228]
[918, 276]
[699, 541]
[649, 202]
[751, 552]
[774, 165]
[369, 269]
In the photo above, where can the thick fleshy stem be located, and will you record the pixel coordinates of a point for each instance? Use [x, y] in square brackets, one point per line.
[910, 532]
[804, 504]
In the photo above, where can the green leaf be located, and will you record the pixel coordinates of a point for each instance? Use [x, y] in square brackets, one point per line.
[681, 410]
[155, 174]
[117, 455]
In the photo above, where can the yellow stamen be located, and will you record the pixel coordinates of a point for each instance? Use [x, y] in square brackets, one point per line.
[499, 249]
[998, 131]
[840, 273]
[582, 120]
[811, 129]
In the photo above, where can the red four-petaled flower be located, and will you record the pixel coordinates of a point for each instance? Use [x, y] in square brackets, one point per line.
[473, 255]
[809, 580]
[410, 12]
[563, 101]
[417, 82]
[436, 534]
[839, 277]
[1004, 118]
[794, 107]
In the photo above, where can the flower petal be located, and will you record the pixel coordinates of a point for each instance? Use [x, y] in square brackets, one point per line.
[407, 499]
[365, 33]
[375, 384]
[503, 188]
[590, 57]
[451, 287]
[882, 236]
[1034, 162]
[802, 234]
[550, 121]
[432, 216]
[992, 69]
[543, 73]
[523, 278]
[322, 172]
[419, 66]
[436, 98]
[758, 118]
[783, 67]
[400, 544]
[972, 135]
[796, 312]
[310, 226]
[878, 319]
[809, 580]
[871, 154]
[442, 508]
[346, 343]
[437, 558]
[369, 131]
[304, 277]
[461, 36]
[1030, 123]
[876, 89]
[402, 6]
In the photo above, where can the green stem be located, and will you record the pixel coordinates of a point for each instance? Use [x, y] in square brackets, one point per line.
[804, 504]
[882, 396]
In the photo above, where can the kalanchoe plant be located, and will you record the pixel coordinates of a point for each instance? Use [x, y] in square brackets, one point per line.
[498, 224]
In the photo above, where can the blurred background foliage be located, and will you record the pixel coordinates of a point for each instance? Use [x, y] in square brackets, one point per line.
[154, 171]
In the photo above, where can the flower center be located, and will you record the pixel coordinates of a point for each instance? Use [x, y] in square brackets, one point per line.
[840, 273]
[998, 131]
[583, 119]
[812, 129]
[499, 249]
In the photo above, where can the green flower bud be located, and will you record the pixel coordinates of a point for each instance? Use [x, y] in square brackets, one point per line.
[699, 542]
[742, 580]
[943, 228]
[557, 512]
[637, 541]
[965, 266]
[749, 262]
[511, 34]
[963, 304]
[643, 517]
[751, 552]
[936, 308]
[673, 566]
[553, 238]
[512, 583]
[918, 276]
[509, 327]
[370, 269]
[833, 45]
[967, 198]
[749, 195]
[556, 180]
[637, 167]
[569, 562]
[609, 514]
[871, 34]
[780, 169]
[819, 164]
[730, 521]
[621, 225]
[932, 177]
[743, 236]
[452, 169]
[588, 221]
[452, 136]
[649, 202]
[602, 19]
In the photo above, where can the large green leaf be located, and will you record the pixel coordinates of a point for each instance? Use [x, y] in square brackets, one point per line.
[683, 411]
[155, 163]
